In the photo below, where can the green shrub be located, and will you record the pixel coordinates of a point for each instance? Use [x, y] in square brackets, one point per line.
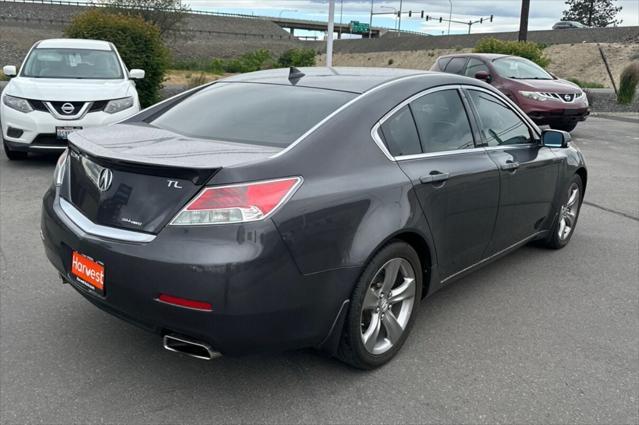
[138, 42]
[297, 57]
[586, 84]
[528, 50]
[391, 61]
[628, 84]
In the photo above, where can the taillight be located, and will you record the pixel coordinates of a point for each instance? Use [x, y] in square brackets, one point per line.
[237, 203]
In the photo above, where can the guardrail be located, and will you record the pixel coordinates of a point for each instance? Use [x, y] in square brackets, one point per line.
[195, 12]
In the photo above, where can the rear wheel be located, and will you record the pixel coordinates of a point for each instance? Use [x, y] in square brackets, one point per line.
[565, 126]
[382, 308]
[11, 154]
[566, 221]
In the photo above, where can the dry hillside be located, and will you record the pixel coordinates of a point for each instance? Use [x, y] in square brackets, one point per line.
[581, 61]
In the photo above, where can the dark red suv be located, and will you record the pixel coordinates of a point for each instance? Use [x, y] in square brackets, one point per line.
[545, 98]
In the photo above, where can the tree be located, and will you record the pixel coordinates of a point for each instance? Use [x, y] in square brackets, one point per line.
[138, 42]
[594, 13]
[165, 14]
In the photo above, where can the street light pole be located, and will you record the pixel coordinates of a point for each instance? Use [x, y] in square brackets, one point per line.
[341, 14]
[329, 35]
[450, 15]
[370, 22]
[399, 24]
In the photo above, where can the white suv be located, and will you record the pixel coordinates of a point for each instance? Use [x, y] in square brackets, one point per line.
[64, 85]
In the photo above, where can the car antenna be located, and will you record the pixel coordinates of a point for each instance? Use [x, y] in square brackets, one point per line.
[294, 75]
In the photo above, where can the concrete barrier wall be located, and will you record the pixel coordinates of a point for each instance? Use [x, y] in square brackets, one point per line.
[409, 43]
[200, 37]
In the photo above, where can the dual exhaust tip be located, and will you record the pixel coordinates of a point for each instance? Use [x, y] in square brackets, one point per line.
[197, 349]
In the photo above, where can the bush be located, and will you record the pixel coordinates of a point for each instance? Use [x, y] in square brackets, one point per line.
[138, 42]
[195, 81]
[297, 57]
[528, 50]
[628, 84]
[586, 84]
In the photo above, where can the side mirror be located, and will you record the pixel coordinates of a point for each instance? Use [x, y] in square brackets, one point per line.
[9, 71]
[484, 76]
[555, 138]
[136, 74]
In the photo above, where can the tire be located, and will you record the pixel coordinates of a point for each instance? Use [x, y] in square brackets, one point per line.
[565, 126]
[13, 155]
[372, 314]
[568, 214]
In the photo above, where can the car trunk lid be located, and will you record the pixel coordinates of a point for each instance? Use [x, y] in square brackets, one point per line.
[139, 177]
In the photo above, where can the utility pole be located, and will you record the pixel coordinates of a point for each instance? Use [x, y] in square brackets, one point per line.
[341, 14]
[450, 15]
[329, 34]
[523, 20]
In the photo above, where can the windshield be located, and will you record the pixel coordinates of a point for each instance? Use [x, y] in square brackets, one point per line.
[73, 63]
[519, 68]
[264, 114]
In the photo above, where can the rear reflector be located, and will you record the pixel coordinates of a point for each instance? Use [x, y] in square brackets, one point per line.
[237, 203]
[183, 302]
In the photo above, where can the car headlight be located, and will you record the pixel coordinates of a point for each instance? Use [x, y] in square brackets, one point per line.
[17, 103]
[534, 95]
[117, 105]
[61, 166]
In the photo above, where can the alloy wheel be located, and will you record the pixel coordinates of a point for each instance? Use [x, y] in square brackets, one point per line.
[387, 306]
[568, 213]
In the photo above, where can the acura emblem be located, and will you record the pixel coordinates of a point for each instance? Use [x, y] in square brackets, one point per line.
[67, 108]
[105, 179]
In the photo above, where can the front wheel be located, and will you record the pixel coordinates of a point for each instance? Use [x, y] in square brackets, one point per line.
[566, 221]
[382, 308]
[565, 126]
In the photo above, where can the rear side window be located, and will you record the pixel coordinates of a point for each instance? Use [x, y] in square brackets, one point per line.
[263, 114]
[474, 66]
[442, 122]
[499, 124]
[456, 65]
[400, 134]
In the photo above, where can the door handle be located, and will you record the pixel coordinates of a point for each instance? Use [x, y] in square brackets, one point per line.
[434, 177]
[510, 165]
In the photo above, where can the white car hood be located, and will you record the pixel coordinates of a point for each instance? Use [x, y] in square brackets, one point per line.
[58, 89]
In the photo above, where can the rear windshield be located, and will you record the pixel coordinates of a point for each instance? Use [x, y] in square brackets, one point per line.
[264, 114]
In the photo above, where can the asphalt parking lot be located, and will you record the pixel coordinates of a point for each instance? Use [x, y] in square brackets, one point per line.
[540, 336]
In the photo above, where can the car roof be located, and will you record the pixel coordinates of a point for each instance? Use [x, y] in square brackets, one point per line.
[489, 56]
[356, 80]
[73, 43]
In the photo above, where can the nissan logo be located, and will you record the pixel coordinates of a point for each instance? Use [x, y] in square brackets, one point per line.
[68, 108]
[105, 179]
[567, 97]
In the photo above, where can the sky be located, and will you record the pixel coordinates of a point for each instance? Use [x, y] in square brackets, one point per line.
[543, 13]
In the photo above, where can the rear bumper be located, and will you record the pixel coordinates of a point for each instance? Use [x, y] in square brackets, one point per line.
[261, 302]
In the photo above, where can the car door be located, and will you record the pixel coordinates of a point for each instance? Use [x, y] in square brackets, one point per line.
[457, 184]
[474, 66]
[528, 171]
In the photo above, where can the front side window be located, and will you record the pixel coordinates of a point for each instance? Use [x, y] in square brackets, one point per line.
[442, 121]
[498, 124]
[73, 63]
[519, 69]
[400, 134]
[474, 66]
[263, 114]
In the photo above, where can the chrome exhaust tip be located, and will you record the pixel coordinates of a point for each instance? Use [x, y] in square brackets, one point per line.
[196, 349]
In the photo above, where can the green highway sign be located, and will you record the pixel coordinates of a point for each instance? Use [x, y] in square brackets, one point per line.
[359, 27]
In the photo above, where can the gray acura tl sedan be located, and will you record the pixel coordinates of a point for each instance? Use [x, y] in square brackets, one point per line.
[310, 207]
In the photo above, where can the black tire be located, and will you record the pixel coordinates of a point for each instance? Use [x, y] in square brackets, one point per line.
[554, 240]
[13, 155]
[565, 126]
[351, 349]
